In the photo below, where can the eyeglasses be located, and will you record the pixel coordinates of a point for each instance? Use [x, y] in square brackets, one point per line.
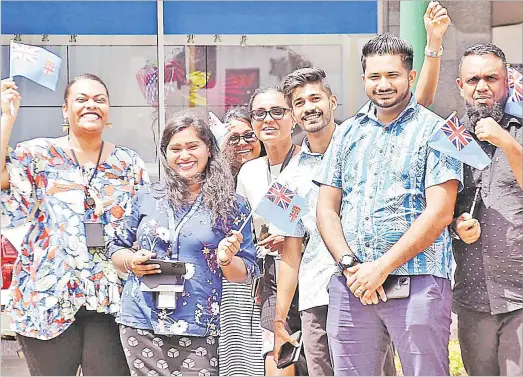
[276, 113]
[248, 137]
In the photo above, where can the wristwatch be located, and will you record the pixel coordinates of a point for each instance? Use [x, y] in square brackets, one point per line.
[433, 54]
[347, 261]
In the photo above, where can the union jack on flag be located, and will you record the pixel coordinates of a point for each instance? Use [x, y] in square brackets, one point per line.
[49, 67]
[24, 52]
[280, 195]
[515, 84]
[457, 133]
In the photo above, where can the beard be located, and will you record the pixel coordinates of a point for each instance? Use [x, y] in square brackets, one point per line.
[475, 113]
[323, 121]
[384, 105]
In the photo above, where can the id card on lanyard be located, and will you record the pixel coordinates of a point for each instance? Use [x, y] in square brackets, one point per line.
[176, 228]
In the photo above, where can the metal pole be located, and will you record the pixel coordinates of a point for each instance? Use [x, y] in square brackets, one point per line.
[161, 76]
[412, 29]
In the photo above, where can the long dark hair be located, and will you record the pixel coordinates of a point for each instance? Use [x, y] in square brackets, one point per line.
[217, 183]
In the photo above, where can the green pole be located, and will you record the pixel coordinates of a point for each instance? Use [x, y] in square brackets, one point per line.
[412, 29]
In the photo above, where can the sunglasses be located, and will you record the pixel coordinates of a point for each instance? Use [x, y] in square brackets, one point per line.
[248, 137]
[276, 113]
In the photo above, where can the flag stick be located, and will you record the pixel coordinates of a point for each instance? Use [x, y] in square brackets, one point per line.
[246, 221]
[476, 196]
[12, 104]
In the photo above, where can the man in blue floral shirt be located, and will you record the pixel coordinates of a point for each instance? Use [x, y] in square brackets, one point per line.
[384, 206]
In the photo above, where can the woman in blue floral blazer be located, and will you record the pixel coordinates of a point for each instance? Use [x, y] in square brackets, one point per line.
[195, 217]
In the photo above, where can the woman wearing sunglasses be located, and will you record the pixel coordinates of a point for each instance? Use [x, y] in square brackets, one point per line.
[71, 190]
[241, 337]
[272, 123]
[240, 144]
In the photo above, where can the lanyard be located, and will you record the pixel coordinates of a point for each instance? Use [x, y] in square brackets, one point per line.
[176, 228]
[286, 161]
[90, 200]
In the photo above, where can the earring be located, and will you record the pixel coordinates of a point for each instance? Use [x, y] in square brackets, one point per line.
[109, 125]
[65, 125]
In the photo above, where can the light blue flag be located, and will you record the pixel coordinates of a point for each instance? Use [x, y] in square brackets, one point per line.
[514, 104]
[282, 207]
[35, 63]
[453, 139]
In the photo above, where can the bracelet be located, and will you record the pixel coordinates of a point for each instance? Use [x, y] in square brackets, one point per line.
[126, 265]
[379, 268]
[279, 320]
[224, 263]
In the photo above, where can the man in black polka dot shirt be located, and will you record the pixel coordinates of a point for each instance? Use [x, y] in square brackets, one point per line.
[488, 294]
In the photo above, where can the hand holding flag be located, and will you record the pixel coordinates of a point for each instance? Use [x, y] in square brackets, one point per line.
[453, 139]
[514, 104]
[35, 63]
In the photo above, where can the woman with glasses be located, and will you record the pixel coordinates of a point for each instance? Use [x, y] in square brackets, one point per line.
[272, 123]
[240, 144]
[71, 190]
[240, 338]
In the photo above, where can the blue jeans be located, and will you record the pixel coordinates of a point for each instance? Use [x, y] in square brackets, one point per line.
[419, 327]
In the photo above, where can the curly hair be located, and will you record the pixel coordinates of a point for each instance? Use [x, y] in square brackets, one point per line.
[217, 183]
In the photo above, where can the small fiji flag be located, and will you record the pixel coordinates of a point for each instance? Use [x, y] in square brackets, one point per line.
[453, 139]
[282, 207]
[514, 104]
[35, 63]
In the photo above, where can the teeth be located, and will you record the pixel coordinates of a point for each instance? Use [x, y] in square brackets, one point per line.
[244, 152]
[185, 164]
[313, 116]
[90, 116]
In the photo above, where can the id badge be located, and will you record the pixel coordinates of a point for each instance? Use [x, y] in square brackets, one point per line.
[94, 234]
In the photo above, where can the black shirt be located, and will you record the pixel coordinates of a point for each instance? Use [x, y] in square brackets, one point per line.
[489, 273]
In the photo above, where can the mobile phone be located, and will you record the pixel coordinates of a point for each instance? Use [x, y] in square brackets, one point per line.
[169, 267]
[396, 286]
[290, 354]
[171, 276]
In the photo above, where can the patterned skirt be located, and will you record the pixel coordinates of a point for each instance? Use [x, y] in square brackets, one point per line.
[149, 354]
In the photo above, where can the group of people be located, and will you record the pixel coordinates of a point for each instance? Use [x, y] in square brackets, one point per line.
[384, 210]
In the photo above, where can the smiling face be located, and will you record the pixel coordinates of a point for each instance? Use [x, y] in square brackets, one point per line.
[187, 154]
[483, 84]
[247, 147]
[269, 130]
[87, 106]
[387, 81]
[313, 107]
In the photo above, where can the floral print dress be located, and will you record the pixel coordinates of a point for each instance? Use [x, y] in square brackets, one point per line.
[197, 311]
[55, 273]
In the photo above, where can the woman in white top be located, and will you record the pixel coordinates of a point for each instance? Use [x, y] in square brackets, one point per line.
[272, 123]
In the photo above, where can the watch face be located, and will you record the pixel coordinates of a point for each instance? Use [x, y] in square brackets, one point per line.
[348, 260]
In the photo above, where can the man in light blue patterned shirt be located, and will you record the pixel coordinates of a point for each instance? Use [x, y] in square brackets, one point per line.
[384, 205]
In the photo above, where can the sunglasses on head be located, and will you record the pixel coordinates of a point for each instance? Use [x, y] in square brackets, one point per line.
[248, 137]
[276, 113]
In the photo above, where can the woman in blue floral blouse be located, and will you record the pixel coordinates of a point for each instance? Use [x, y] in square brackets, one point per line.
[71, 190]
[193, 216]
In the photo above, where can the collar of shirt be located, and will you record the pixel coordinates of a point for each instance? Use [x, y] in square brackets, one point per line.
[368, 112]
[306, 147]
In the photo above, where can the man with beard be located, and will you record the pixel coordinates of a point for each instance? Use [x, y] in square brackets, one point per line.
[385, 201]
[313, 104]
[488, 295]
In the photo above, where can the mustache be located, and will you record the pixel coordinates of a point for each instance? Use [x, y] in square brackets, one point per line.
[384, 91]
[312, 112]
